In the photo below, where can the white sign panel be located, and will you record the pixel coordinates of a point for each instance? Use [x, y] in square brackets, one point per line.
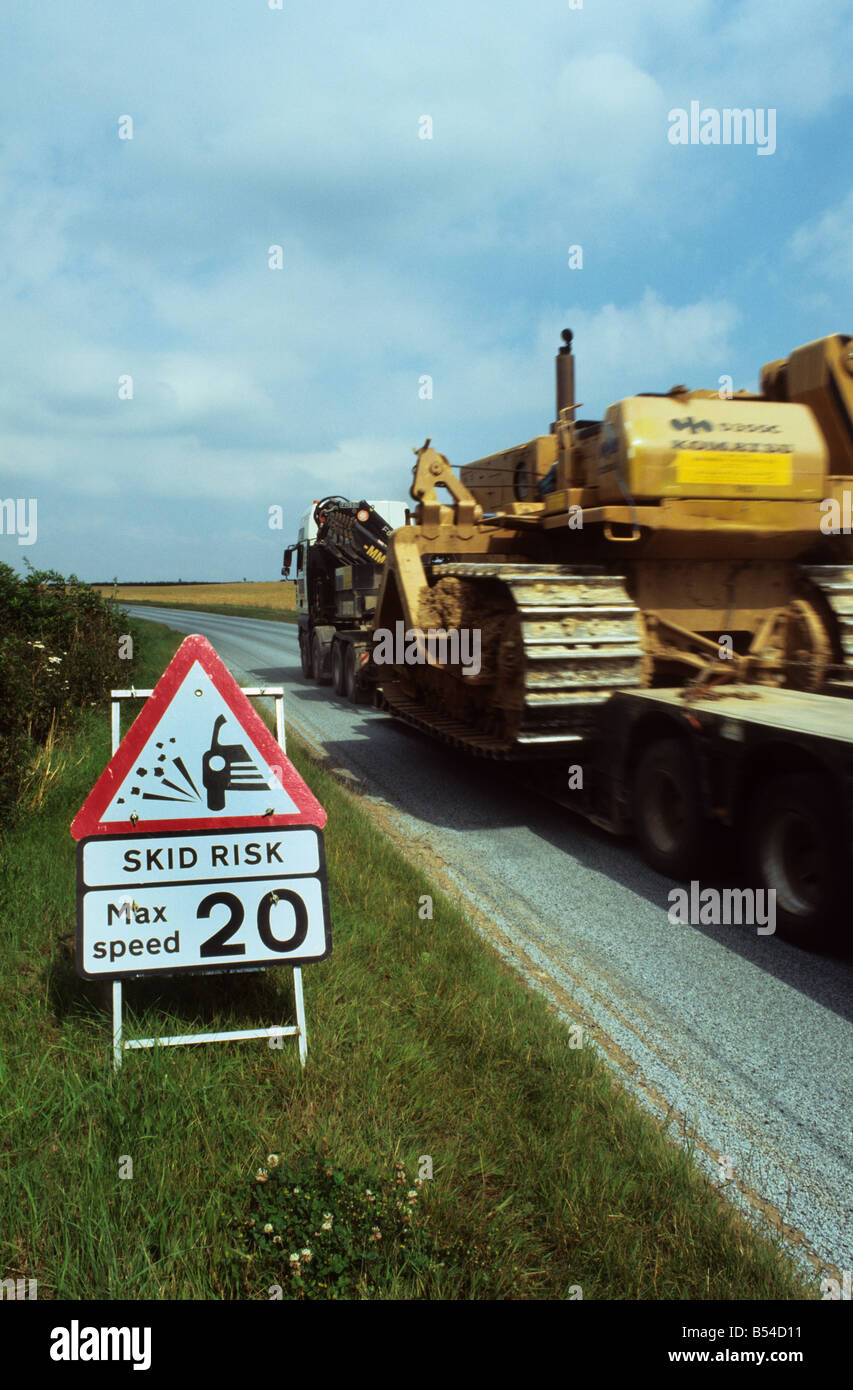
[201, 901]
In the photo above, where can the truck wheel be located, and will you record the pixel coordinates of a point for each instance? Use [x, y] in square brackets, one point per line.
[351, 676]
[338, 670]
[305, 656]
[318, 662]
[795, 846]
[667, 809]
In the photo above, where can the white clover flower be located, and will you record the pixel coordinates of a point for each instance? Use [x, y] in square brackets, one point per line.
[419, 1182]
[369, 1195]
[306, 1256]
[326, 1226]
[375, 1233]
[261, 1175]
[296, 1191]
[294, 1258]
[411, 1195]
[272, 1160]
[277, 1240]
[268, 1229]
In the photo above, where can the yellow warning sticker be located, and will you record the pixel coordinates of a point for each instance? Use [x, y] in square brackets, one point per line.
[708, 468]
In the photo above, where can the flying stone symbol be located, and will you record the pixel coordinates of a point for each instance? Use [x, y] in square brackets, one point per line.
[188, 791]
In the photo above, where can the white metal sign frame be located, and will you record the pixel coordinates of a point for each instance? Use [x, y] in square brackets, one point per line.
[297, 1030]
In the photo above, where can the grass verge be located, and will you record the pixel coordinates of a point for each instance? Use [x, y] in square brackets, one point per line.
[547, 1178]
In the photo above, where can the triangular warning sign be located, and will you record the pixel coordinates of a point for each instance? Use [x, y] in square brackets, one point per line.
[197, 757]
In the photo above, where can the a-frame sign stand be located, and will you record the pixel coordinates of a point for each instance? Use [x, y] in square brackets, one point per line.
[268, 860]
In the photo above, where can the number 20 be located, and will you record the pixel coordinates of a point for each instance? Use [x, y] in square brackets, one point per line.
[215, 945]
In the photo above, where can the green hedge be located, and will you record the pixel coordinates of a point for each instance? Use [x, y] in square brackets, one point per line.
[59, 651]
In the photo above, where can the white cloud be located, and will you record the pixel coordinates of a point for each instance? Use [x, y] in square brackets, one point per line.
[826, 244]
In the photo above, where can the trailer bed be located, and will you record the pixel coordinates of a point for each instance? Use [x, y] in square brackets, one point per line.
[792, 711]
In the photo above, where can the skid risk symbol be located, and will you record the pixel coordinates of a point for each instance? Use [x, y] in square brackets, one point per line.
[225, 767]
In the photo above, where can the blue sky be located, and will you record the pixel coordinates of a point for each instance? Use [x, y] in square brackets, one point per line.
[401, 257]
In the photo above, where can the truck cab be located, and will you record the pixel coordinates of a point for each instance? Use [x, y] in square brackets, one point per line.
[340, 555]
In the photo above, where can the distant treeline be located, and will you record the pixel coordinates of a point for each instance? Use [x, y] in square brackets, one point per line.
[152, 583]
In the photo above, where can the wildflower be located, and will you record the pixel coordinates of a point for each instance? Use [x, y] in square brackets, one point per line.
[272, 1160]
[54, 659]
[369, 1195]
[262, 1175]
[419, 1182]
[294, 1258]
[296, 1191]
[375, 1233]
[277, 1240]
[305, 1256]
[268, 1229]
[411, 1195]
[251, 1221]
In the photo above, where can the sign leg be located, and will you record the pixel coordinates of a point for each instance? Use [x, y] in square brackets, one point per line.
[302, 1035]
[116, 1024]
[279, 723]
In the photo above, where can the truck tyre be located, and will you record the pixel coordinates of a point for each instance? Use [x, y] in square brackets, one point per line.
[351, 675]
[318, 660]
[305, 655]
[667, 809]
[338, 668]
[795, 845]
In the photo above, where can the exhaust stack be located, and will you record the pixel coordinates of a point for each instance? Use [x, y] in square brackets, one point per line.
[565, 363]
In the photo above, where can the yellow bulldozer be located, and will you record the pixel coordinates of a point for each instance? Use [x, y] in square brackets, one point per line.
[692, 539]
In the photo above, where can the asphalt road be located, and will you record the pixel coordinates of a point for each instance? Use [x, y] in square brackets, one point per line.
[742, 1036]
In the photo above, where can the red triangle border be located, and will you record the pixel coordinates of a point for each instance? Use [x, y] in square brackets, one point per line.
[194, 648]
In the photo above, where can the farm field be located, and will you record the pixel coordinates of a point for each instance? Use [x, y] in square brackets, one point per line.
[263, 594]
[271, 599]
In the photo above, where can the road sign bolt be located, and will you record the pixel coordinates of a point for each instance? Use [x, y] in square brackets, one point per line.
[134, 817]
[269, 811]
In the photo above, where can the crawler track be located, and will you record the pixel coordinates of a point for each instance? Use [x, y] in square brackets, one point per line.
[835, 582]
[563, 638]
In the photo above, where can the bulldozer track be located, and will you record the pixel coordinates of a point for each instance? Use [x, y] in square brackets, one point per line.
[580, 638]
[835, 582]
